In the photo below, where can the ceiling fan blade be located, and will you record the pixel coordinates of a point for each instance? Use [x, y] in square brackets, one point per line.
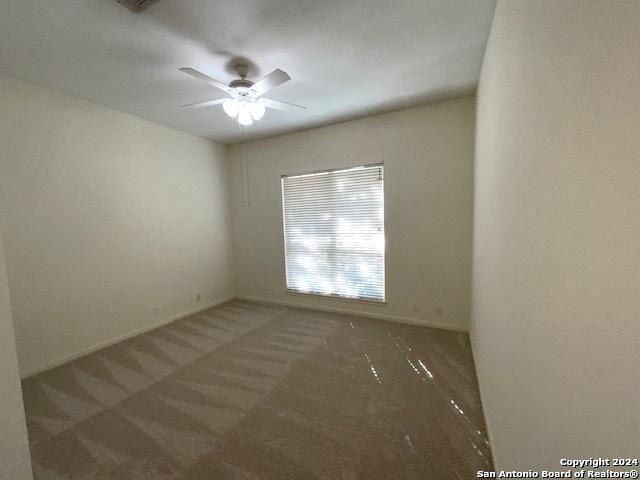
[284, 106]
[275, 78]
[208, 103]
[205, 78]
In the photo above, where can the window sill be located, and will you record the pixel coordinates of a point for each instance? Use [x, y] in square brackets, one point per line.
[335, 297]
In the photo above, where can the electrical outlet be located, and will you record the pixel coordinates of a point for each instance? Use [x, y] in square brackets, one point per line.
[439, 310]
[155, 311]
[415, 307]
[272, 290]
[198, 297]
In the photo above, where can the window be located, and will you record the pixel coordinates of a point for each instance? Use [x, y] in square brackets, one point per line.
[334, 232]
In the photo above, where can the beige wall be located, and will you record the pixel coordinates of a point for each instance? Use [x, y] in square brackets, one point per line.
[15, 462]
[106, 217]
[428, 157]
[556, 283]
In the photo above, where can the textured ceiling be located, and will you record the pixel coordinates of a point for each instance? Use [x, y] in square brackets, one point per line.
[347, 58]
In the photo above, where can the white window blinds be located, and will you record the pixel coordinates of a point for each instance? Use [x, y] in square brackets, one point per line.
[334, 232]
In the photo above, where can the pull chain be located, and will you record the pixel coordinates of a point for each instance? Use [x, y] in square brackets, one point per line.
[244, 170]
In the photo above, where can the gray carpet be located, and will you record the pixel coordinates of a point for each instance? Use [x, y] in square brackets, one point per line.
[247, 391]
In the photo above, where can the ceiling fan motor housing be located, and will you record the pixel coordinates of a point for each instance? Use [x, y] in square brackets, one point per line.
[136, 5]
[242, 86]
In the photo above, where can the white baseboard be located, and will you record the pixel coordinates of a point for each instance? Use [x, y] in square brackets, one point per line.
[120, 338]
[267, 301]
[359, 313]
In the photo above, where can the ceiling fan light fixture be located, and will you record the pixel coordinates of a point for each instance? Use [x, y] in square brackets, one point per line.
[231, 107]
[244, 110]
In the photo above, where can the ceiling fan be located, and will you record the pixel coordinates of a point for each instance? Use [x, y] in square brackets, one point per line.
[245, 99]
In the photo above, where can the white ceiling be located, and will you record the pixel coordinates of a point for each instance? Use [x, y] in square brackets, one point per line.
[347, 58]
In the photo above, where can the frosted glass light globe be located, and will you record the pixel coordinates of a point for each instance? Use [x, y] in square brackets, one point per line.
[231, 107]
[257, 110]
[244, 116]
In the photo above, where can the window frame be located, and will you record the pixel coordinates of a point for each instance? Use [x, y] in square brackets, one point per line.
[289, 291]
